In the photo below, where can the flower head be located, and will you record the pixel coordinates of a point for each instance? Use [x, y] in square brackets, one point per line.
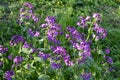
[10, 57]
[18, 59]
[97, 16]
[44, 56]
[50, 19]
[107, 50]
[3, 49]
[8, 75]
[16, 40]
[86, 76]
[109, 59]
[55, 65]
[60, 50]
[27, 4]
[33, 33]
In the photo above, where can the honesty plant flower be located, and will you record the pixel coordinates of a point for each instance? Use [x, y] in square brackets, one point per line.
[109, 59]
[3, 49]
[54, 29]
[50, 20]
[29, 5]
[22, 10]
[18, 59]
[44, 56]
[60, 50]
[67, 60]
[44, 25]
[33, 33]
[16, 40]
[97, 16]
[10, 57]
[107, 50]
[86, 76]
[35, 18]
[26, 45]
[74, 35]
[83, 22]
[101, 33]
[8, 75]
[55, 65]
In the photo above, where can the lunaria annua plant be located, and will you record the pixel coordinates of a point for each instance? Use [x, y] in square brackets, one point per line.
[71, 54]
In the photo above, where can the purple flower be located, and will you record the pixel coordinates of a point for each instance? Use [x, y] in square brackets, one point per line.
[60, 50]
[52, 35]
[33, 33]
[97, 16]
[35, 18]
[101, 33]
[16, 40]
[107, 50]
[50, 19]
[74, 35]
[30, 11]
[3, 49]
[67, 36]
[109, 59]
[44, 25]
[26, 45]
[8, 75]
[22, 10]
[55, 65]
[83, 22]
[27, 4]
[85, 50]
[88, 18]
[18, 59]
[111, 69]
[86, 76]
[10, 57]
[67, 60]
[44, 56]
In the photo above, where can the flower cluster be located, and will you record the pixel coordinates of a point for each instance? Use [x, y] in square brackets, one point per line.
[43, 56]
[83, 22]
[64, 50]
[86, 76]
[8, 75]
[74, 35]
[101, 33]
[3, 49]
[18, 60]
[16, 40]
[97, 17]
[33, 33]
[62, 54]
[54, 29]
[26, 12]
[109, 59]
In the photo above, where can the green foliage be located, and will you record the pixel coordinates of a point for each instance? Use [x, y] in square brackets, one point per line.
[66, 12]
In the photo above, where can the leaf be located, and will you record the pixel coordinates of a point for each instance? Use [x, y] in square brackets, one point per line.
[43, 77]
[1, 72]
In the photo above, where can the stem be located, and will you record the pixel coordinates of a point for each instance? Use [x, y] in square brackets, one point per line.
[90, 30]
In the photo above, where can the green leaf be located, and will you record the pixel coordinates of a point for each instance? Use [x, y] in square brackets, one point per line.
[43, 77]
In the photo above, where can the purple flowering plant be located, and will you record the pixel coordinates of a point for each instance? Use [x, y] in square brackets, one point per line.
[56, 51]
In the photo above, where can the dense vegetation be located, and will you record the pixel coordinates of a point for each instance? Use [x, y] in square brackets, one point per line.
[60, 40]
